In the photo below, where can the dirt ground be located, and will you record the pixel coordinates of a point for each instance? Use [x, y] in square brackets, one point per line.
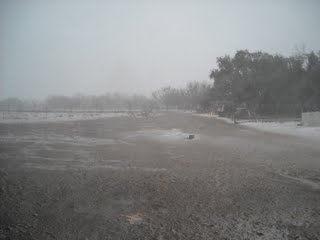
[127, 178]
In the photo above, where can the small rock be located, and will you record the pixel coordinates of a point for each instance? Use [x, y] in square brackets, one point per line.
[191, 136]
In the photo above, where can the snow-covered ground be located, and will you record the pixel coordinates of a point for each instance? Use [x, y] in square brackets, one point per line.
[228, 120]
[23, 117]
[288, 127]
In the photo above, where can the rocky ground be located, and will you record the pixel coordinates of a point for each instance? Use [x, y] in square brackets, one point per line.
[142, 178]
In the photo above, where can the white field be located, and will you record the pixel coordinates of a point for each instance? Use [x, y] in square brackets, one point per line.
[228, 120]
[25, 117]
[287, 128]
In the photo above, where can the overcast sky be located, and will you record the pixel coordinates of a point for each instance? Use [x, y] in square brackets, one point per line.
[92, 47]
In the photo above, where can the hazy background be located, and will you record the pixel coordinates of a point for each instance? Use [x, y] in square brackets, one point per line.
[92, 47]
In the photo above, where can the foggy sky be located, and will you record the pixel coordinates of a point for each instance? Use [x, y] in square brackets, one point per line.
[92, 47]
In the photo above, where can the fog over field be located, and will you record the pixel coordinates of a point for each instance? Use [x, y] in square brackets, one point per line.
[93, 47]
[158, 119]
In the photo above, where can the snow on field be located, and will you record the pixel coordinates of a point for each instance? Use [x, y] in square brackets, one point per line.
[287, 128]
[24, 117]
[56, 138]
[228, 120]
[160, 135]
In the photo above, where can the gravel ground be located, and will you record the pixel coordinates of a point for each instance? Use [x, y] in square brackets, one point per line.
[127, 178]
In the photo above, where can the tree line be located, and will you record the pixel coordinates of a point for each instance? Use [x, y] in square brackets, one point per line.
[269, 84]
[263, 83]
[78, 102]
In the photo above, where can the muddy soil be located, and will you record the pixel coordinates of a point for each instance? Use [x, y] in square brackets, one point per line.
[127, 178]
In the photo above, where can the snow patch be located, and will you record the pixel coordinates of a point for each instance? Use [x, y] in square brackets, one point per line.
[160, 135]
[228, 120]
[25, 117]
[57, 138]
[287, 128]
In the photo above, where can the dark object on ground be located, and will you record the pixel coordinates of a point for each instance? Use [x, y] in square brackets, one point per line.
[191, 136]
